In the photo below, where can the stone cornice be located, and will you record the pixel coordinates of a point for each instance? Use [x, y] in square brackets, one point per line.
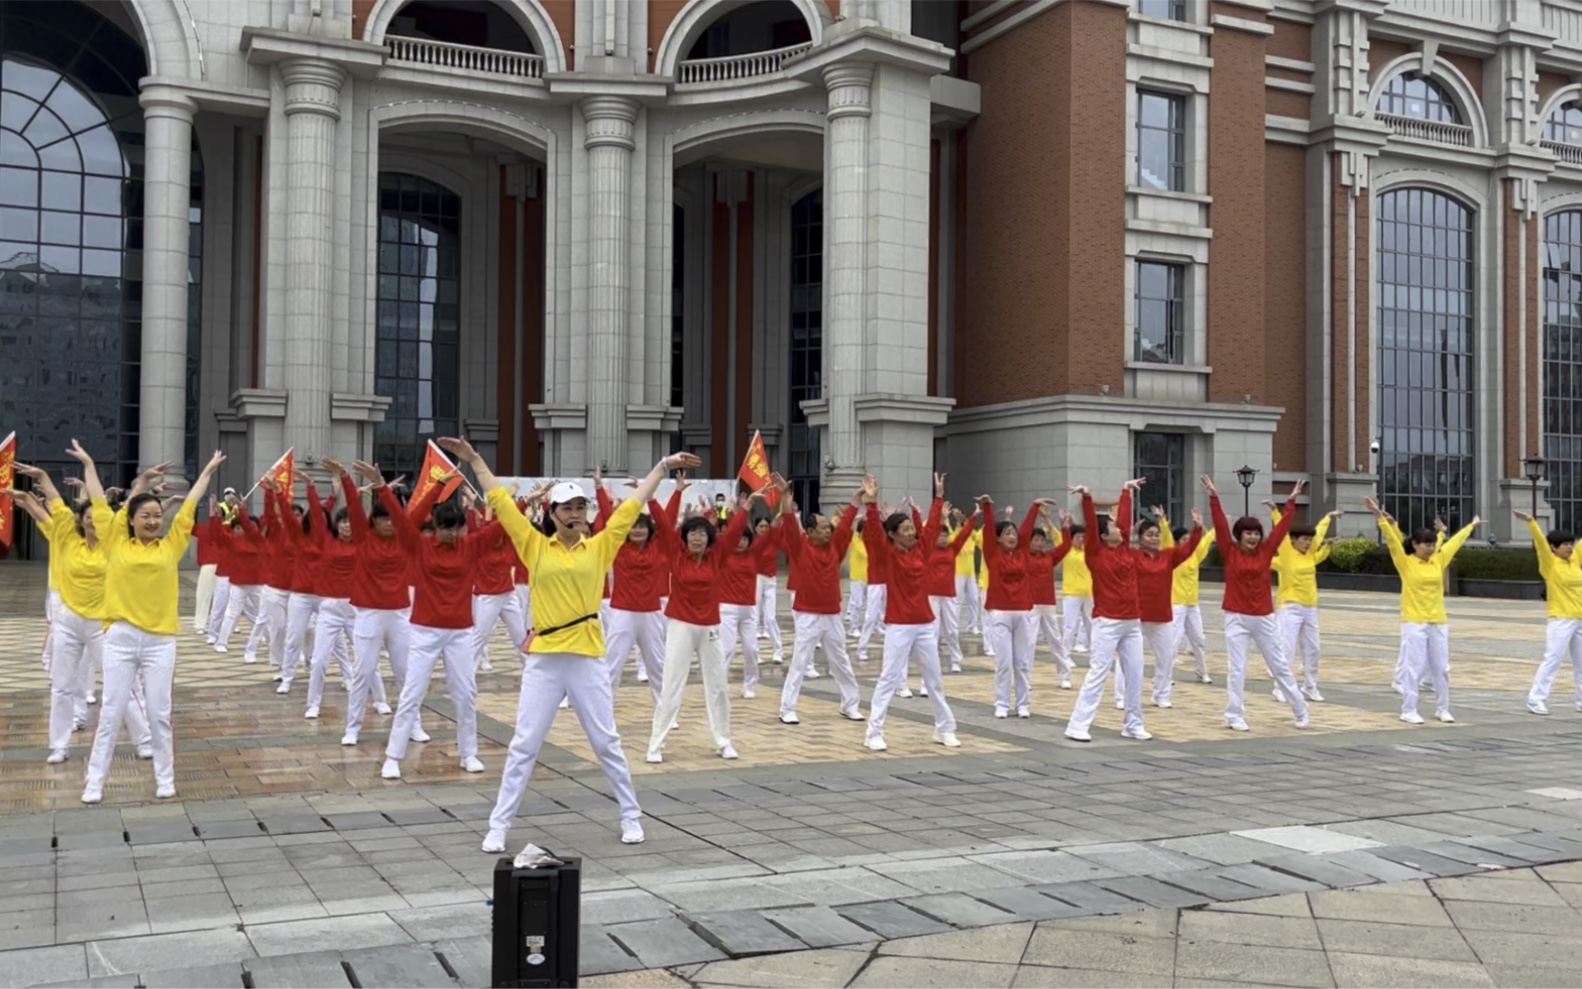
[239, 100]
[925, 410]
[573, 86]
[870, 43]
[265, 46]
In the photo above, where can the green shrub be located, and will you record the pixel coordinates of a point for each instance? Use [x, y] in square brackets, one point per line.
[1481, 563]
[1346, 555]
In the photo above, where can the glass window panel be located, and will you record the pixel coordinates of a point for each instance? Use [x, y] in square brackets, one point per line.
[102, 196]
[101, 153]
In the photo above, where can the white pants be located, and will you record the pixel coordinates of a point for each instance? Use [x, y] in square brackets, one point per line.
[207, 576]
[1264, 632]
[902, 644]
[683, 641]
[1160, 638]
[546, 678]
[77, 644]
[1427, 649]
[131, 654]
[299, 609]
[46, 653]
[337, 622]
[217, 608]
[374, 629]
[815, 632]
[1048, 628]
[1076, 614]
[967, 596]
[768, 613]
[947, 627]
[644, 630]
[487, 611]
[739, 623]
[856, 599]
[1299, 629]
[429, 646]
[872, 619]
[1562, 640]
[1113, 640]
[1189, 629]
[524, 594]
[1012, 635]
[244, 602]
[273, 607]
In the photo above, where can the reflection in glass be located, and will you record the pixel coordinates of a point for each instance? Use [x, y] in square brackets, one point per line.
[1562, 367]
[1161, 458]
[1412, 94]
[1161, 141]
[1160, 313]
[807, 345]
[1424, 409]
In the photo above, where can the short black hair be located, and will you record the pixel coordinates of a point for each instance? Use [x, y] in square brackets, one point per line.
[1146, 526]
[1179, 532]
[694, 523]
[1424, 537]
[1077, 529]
[1560, 537]
[1298, 531]
[449, 516]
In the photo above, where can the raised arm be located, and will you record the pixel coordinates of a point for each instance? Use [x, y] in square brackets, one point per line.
[41, 479]
[963, 536]
[1282, 528]
[1546, 555]
[935, 520]
[1123, 514]
[1184, 552]
[727, 540]
[1090, 519]
[90, 474]
[873, 537]
[1320, 533]
[354, 508]
[990, 545]
[200, 488]
[1030, 522]
[1447, 552]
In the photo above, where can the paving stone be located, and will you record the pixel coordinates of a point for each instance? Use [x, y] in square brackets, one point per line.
[410, 816]
[1001, 943]
[743, 932]
[622, 906]
[662, 943]
[1216, 960]
[1352, 969]
[1100, 950]
[1428, 862]
[1209, 883]
[127, 981]
[1090, 898]
[471, 958]
[326, 934]
[452, 920]
[959, 910]
[1379, 904]
[598, 953]
[24, 967]
[1152, 892]
[1530, 853]
[284, 824]
[925, 973]
[402, 966]
[212, 830]
[1383, 870]
[1273, 882]
[1463, 851]
[159, 834]
[818, 926]
[354, 822]
[1047, 866]
[1321, 869]
[317, 968]
[827, 967]
[227, 974]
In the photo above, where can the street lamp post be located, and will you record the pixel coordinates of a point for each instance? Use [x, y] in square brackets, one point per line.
[1245, 477]
[1535, 468]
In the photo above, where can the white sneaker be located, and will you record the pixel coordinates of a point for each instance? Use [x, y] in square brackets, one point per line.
[1002, 712]
[1082, 650]
[654, 755]
[494, 841]
[642, 676]
[1445, 717]
[1278, 695]
[221, 648]
[313, 712]
[1204, 678]
[350, 738]
[391, 770]
[1538, 707]
[382, 708]
[875, 743]
[729, 752]
[277, 678]
[1120, 705]
[812, 674]
[284, 688]
[1078, 736]
[56, 757]
[1024, 712]
[749, 694]
[1140, 734]
[486, 666]
[780, 657]
[1412, 718]
[165, 792]
[1312, 694]
[632, 833]
[145, 751]
[1065, 683]
[790, 719]
[78, 725]
[856, 715]
[1304, 721]
[1237, 725]
[1163, 704]
[1398, 689]
[922, 691]
[419, 735]
[209, 639]
[904, 692]
[955, 668]
[948, 739]
[472, 764]
[92, 795]
[565, 702]
[92, 699]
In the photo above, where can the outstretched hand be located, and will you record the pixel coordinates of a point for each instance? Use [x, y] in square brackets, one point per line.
[1208, 486]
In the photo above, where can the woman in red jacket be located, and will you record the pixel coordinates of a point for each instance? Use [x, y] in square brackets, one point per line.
[1156, 567]
[767, 538]
[697, 559]
[1009, 627]
[275, 600]
[642, 579]
[334, 576]
[816, 557]
[217, 536]
[245, 552]
[303, 604]
[1042, 561]
[494, 595]
[942, 586]
[1248, 606]
[910, 630]
[739, 607]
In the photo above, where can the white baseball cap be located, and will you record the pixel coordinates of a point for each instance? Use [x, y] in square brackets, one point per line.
[566, 491]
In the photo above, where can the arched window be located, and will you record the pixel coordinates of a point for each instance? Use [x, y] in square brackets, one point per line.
[1564, 126]
[479, 23]
[1562, 367]
[417, 349]
[1425, 324]
[764, 26]
[1412, 94]
[71, 236]
[807, 344]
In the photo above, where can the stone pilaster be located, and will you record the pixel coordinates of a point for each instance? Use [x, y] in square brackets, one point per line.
[167, 196]
[312, 110]
[610, 140]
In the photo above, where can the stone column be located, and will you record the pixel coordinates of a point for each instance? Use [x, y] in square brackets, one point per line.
[167, 197]
[845, 264]
[312, 109]
[610, 140]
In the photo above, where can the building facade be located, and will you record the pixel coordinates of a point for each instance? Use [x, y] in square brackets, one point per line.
[1027, 242]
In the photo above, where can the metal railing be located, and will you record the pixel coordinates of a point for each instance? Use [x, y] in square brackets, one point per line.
[733, 67]
[465, 58]
[1436, 131]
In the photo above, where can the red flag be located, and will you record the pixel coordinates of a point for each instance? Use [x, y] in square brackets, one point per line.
[284, 471]
[436, 467]
[755, 468]
[7, 479]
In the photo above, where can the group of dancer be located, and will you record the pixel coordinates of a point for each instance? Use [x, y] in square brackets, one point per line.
[427, 581]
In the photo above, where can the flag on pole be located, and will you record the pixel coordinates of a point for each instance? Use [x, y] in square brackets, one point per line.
[7, 479]
[436, 467]
[284, 472]
[755, 468]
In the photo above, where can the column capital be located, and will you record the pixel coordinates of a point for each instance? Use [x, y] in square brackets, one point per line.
[312, 86]
[167, 101]
[850, 86]
[611, 122]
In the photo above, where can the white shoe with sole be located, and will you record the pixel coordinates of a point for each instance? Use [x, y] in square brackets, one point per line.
[1412, 718]
[419, 735]
[165, 792]
[1139, 734]
[948, 739]
[382, 708]
[632, 833]
[875, 743]
[1445, 717]
[729, 752]
[472, 764]
[494, 841]
[92, 795]
[56, 757]
[145, 751]
[313, 712]
[391, 770]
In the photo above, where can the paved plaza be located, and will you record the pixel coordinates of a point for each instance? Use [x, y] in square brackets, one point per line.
[1362, 851]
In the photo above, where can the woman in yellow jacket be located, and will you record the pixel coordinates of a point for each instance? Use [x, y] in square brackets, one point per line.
[565, 651]
[856, 583]
[1186, 617]
[1561, 569]
[1425, 629]
[141, 592]
[1296, 562]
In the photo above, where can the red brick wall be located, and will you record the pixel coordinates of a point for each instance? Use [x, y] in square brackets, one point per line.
[660, 15]
[1340, 367]
[1548, 82]
[563, 13]
[1470, 66]
[1044, 240]
[1381, 52]
[1285, 298]
[1291, 40]
[1236, 152]
[1285, 103]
